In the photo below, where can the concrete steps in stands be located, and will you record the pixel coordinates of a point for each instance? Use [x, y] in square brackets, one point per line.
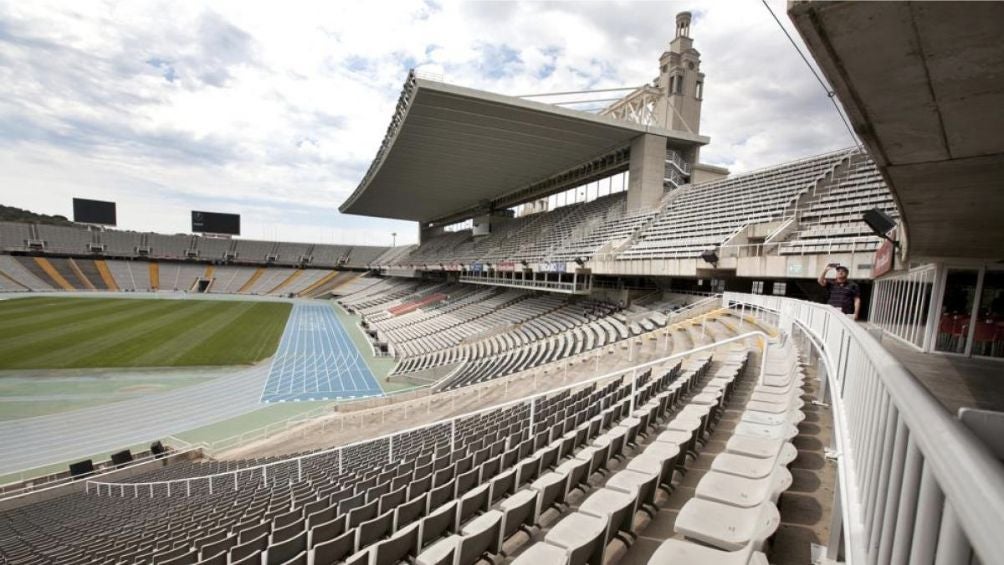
[154, 275]
[105, 274]
[79, 274]
[296, 274]
[89, 273]
[43, 269]
[318, 285]
[250, 282]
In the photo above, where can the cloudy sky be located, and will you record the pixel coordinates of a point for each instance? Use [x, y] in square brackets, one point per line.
[274, 109]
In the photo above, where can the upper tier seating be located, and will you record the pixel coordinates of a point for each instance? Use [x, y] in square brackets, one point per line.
[213, 249]
[831, 223]
[255, 251]
[14, 236]
[169, 246]
[361, 256]
[325, 255]
[705, 215]
[64, 239]
[119, 243]
[692, 220]
[292, 252]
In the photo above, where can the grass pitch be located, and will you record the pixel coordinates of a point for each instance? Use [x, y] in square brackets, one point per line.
[63, 333]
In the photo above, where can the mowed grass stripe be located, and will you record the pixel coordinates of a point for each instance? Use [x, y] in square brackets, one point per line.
[12, 308]
[148, 338]
[67, 344]
[26, 320]
[261, 329]
[137, 333]
[70, 328]
[175, 344]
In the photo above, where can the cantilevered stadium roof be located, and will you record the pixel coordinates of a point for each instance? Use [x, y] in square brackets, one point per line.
[923, 85]
[450, 149]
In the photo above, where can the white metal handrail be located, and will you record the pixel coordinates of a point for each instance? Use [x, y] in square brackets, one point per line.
[183, 486]
[10, 491]
[914, 484]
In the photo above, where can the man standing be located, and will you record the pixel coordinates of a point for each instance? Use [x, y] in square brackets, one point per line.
[842, 293]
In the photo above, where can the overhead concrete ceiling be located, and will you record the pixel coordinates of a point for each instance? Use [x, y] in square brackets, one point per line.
[450, 149]
[923, 85]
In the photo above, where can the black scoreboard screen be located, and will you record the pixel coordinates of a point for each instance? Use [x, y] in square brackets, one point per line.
[93, 212]
[215, 222]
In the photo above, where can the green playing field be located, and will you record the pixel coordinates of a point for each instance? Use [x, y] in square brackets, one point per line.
[60, 332]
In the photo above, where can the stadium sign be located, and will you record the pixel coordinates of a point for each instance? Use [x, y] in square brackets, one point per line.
[557, 267]
[884, 257]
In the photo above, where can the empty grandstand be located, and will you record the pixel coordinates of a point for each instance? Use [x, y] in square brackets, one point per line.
[630, 377]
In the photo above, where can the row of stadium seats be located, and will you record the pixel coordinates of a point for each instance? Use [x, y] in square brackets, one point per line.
[70, 240]
[832, 221]
[330, 508]
[23, 273]
[825, 194]
[707, 214]
[496, 481]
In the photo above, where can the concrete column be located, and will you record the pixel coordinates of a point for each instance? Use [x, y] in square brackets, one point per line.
[424, 234]
[647, 169]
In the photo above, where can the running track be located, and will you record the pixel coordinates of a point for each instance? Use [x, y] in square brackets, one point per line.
[317, 360]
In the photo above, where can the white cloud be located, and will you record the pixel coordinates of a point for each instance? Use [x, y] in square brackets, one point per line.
[274, 110]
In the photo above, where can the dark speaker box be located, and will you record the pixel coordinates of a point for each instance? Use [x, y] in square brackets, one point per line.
[81, 468]
[122, 457]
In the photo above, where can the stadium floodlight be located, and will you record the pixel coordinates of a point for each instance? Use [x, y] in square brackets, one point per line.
[880, 224]
[710, 256]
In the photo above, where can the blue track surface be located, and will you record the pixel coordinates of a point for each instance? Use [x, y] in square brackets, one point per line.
[317, 360]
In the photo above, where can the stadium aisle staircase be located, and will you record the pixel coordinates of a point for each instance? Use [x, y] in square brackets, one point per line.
[319, 284]
[49, 272]
[154, 275]
[90, 270]
[106, 275]
[63, 267]
[250, 282]
[7, 283]
[296, 274]
[209, 272]
[86, 282]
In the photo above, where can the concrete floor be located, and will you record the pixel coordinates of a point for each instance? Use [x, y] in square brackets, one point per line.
[955, 381]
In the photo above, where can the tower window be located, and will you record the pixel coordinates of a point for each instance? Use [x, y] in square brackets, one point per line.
[699, 91]
[678, 88]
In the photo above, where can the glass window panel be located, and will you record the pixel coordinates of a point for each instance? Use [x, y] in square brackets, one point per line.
[988, 337]
[956, 309]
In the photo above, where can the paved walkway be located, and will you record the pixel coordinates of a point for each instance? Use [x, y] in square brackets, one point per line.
[957, 382]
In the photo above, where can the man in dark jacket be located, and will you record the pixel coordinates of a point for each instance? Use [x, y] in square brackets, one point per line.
[841, 293]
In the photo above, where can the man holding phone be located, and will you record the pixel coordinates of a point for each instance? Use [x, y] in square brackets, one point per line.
[842, 293]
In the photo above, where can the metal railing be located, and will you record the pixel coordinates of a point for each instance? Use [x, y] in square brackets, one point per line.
[425, 395]
[903, 305]
[230, 480]
[42, 483]
[913, 485]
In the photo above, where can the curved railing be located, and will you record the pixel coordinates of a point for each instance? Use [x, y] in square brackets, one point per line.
[230, 479]
[914, 485]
